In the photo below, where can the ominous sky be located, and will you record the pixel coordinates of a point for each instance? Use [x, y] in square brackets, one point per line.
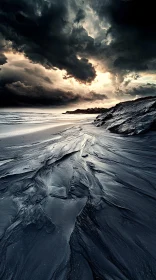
[76, 52]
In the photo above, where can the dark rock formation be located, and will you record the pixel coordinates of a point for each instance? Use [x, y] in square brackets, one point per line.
[95, 110]
[131, 117]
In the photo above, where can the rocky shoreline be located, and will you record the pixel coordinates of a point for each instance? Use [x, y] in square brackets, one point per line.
[130, 117]
[88, 111]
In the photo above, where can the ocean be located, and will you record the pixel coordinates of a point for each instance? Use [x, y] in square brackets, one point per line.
[23, 121]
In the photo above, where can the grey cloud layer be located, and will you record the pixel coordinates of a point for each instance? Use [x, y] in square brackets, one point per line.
[20, 94]
[52, 33]
[42, 30]
[3, 58]
[132, 34]
[25, 84]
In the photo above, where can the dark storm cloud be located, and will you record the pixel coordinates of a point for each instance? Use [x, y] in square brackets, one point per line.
[138, 91]
[81, 42]
[80, 15]
[21, 94]
[131, 35]
[143, 90]
[3, 58]
[52, 33]
[21, 71]
[25, 84]
[42, 30]
[36, 72]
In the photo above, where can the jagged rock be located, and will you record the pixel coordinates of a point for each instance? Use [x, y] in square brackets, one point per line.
[131, 117]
